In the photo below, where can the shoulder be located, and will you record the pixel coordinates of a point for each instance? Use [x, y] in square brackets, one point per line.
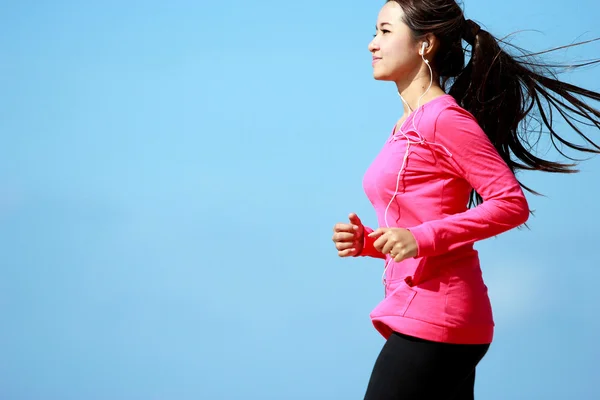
[450, 112]
[455, 124]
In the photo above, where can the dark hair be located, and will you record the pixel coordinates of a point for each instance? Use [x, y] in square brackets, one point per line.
[511, 97]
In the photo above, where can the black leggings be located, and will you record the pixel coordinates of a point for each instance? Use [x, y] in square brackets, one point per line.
[409, 368]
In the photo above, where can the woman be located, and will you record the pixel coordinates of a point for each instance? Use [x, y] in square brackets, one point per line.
[444, 179]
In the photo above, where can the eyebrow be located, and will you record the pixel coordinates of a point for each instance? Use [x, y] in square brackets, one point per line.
[382, 24]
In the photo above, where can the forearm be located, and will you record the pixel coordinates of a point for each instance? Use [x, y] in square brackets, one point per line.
[491, 218]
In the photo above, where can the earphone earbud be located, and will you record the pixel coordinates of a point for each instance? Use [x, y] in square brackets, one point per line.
[423, 47]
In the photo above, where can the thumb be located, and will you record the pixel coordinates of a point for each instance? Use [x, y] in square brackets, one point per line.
[354, 219]
[378, 232]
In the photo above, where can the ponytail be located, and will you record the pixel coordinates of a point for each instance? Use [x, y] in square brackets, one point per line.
[513, 98]
[506, 94]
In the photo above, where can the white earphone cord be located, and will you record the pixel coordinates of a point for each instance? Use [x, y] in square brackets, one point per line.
[409, 142]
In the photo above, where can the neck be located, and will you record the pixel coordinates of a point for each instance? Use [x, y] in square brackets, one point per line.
[412, 92]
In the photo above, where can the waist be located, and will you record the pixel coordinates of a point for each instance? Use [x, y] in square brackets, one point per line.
[419, 270]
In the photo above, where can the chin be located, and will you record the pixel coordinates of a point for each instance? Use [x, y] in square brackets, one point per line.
[380, 76]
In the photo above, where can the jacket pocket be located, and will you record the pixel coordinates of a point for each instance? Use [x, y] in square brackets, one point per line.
[399, 297]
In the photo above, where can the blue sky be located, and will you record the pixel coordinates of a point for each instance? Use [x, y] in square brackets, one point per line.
[169, 179]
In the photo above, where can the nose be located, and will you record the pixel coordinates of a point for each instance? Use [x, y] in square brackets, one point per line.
[373, 46]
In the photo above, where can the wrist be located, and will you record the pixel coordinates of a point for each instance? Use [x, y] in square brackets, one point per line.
[361, 242]
[367, 248]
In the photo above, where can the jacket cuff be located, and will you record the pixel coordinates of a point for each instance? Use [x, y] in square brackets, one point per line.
[368, 250]
[425, 240]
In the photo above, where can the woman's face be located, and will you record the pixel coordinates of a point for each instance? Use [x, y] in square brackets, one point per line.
[395, 51]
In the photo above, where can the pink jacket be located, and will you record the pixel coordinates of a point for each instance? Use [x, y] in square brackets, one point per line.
[423, 178]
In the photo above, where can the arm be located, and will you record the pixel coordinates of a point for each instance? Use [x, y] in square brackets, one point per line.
[476, 160]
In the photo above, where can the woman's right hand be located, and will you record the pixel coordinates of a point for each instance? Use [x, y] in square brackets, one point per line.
[348, 238]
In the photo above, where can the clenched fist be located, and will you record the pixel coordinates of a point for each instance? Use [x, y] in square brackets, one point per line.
[348, 238]
[399, 243]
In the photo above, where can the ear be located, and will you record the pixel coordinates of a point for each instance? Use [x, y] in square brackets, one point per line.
[427, 44]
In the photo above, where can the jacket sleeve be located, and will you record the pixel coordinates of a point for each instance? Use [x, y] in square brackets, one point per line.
[474, 158]
[368, 249]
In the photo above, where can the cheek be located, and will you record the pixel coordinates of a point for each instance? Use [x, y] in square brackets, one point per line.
[403, 59]
[397, 52]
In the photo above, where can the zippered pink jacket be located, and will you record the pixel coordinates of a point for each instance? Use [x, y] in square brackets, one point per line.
[421, 181]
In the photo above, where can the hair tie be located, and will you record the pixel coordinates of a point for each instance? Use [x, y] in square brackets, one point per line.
[470, 31]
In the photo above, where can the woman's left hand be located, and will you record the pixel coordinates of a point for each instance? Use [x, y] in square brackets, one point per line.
[399, 243]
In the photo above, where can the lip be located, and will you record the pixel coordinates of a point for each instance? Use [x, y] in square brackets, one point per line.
[375, 60]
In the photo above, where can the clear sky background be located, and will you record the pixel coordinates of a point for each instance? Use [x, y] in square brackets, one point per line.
[170, 173]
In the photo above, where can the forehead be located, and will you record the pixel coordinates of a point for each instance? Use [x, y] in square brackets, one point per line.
[391, 13]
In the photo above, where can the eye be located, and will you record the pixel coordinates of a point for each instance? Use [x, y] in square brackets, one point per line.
[384, 31]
